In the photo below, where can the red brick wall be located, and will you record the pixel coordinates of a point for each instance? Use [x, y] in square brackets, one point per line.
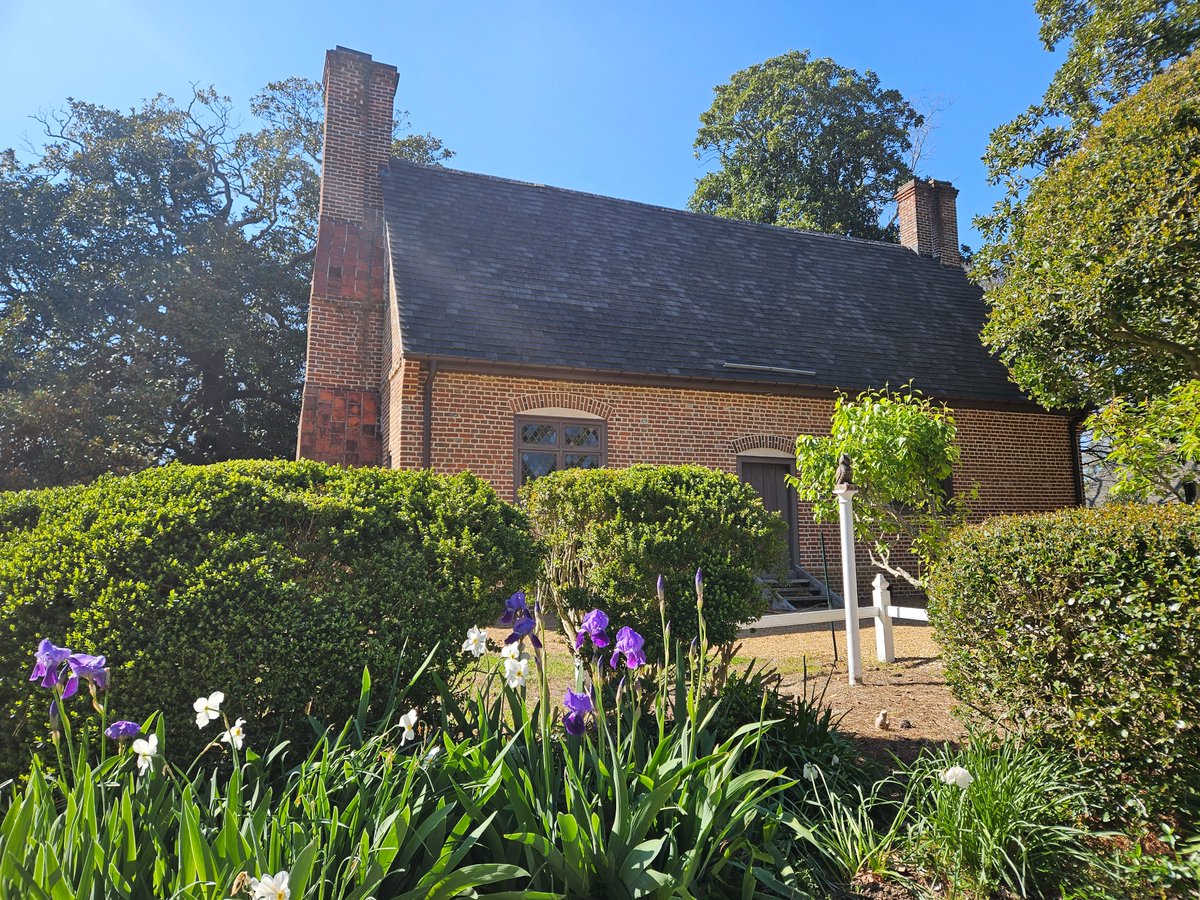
[340, 408]
[1020, 461]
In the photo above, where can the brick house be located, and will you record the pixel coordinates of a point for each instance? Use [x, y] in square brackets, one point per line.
[460, 321]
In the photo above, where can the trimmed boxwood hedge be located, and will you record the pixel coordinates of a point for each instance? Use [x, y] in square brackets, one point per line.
[609, 534]
[275, 582]
[1082, 628]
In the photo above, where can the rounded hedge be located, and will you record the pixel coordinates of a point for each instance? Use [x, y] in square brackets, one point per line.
[274, 582]
[1082, 628]
[609, 534]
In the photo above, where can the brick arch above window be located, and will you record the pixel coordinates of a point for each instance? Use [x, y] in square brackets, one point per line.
[560, 400]
[752, 442]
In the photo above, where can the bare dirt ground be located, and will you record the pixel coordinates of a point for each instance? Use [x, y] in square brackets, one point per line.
[912, 690]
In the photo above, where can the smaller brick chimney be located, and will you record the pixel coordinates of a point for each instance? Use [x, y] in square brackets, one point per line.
[928, 217]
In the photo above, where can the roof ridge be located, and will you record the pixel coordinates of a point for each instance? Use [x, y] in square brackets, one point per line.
[686, 213]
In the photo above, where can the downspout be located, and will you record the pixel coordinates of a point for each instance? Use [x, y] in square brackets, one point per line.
[427, 424]
[1073, 424]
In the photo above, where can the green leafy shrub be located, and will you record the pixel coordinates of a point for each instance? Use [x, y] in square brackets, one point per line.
[609, 534]
[1082, 628]
[274, 582]
[1000, 815]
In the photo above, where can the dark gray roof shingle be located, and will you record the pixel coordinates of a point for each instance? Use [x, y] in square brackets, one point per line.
[497, 270]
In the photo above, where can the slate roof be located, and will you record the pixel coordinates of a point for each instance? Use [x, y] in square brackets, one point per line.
[497, 270]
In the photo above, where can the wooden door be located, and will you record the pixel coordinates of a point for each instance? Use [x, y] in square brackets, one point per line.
[766, 475]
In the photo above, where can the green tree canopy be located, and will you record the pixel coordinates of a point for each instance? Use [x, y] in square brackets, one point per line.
[1102, 269]
[903, 449]
[154, 277]
[805, 143]
[1113, 47]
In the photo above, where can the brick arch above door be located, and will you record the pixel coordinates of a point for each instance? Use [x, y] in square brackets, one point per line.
[560, 400]
[751, 442]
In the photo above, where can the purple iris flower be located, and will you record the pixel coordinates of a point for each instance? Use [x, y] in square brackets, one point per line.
[523, 620]
[630, 643]
[593, 626]
[514, 606]
[49, 661]
[577, 705]
[123, 730]
[661, 589]
[89, 668]
[699, 582]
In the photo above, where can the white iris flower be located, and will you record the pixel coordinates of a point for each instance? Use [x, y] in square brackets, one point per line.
[959, 776]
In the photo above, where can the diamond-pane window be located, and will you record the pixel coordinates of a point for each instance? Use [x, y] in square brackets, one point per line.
[535, 465]
[581, 461]
[581, 436]
[539, 433]
[545, 445]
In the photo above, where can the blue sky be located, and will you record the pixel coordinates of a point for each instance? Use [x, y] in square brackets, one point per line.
[601, 97]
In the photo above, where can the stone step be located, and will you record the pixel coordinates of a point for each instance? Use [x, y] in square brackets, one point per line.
[799, 590]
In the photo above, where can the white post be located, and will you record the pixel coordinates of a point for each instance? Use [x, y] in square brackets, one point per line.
[881, 595]
[845, 495]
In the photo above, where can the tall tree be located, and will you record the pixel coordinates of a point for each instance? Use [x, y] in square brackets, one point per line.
[1113, 48]
[1099, 294]
[805, 143]
[154, 276]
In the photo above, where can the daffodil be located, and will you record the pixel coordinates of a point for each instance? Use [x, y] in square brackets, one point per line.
[271, 887]
[476, 642]
[511, 651]
[236, 735]
[408, 722]
[208, 708]
[146, 749]
[515, 671]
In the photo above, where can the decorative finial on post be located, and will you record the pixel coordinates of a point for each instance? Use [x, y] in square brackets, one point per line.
[844, 473]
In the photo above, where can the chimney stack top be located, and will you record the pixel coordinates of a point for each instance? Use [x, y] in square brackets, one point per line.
[928, 215]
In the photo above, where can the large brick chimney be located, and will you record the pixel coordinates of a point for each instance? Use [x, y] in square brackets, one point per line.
[928, 217]
[339, 414]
